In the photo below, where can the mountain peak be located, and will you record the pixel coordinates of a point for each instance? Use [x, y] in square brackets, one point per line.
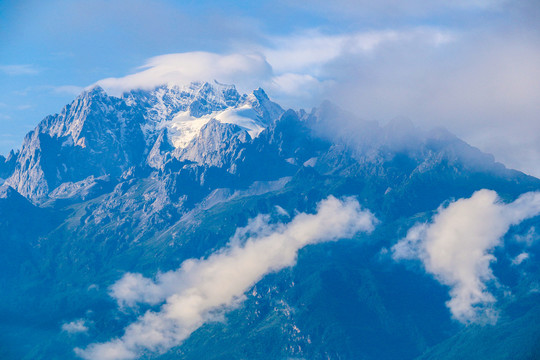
[95, 91]
[260, 94]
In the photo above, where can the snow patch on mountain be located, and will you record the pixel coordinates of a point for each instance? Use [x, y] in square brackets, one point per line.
[184, 127]
[184, 110]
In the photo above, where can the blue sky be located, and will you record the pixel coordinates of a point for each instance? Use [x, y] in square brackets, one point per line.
[470, 66]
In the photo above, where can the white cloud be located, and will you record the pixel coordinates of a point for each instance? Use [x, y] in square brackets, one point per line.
[290, 68]
[302, 63]
[295, 90]
[308, 52]
[77, 326]
[202, 289]
[135, 288]
[528, 238]
[482, 85]
[456, 247]
[244, 70]
[520, 258]
[22, 69]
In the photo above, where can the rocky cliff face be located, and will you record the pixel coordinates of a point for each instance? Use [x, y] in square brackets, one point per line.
[99, 135]
[95, 135]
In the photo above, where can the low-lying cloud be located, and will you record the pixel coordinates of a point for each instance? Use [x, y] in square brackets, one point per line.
[482, 86]
[456, 247]
[202, 289]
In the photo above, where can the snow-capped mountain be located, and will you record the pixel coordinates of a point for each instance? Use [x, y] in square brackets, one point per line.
[138, 184]
[109, 135]
[185, 110]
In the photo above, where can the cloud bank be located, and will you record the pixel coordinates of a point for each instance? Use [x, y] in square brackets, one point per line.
[290, 68]
[202, 289]
[456, 247]
[482, 86]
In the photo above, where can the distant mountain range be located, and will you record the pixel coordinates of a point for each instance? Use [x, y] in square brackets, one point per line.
[140, 183]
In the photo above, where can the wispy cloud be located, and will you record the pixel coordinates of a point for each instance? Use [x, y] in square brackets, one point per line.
[310, 51]
[528, 238]
[22, 69]
[68, 89]
[520, 258]
[245, 70]
[307, 65]
[201, 289]
[76, 326]
[456, 247]
[51, 89]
